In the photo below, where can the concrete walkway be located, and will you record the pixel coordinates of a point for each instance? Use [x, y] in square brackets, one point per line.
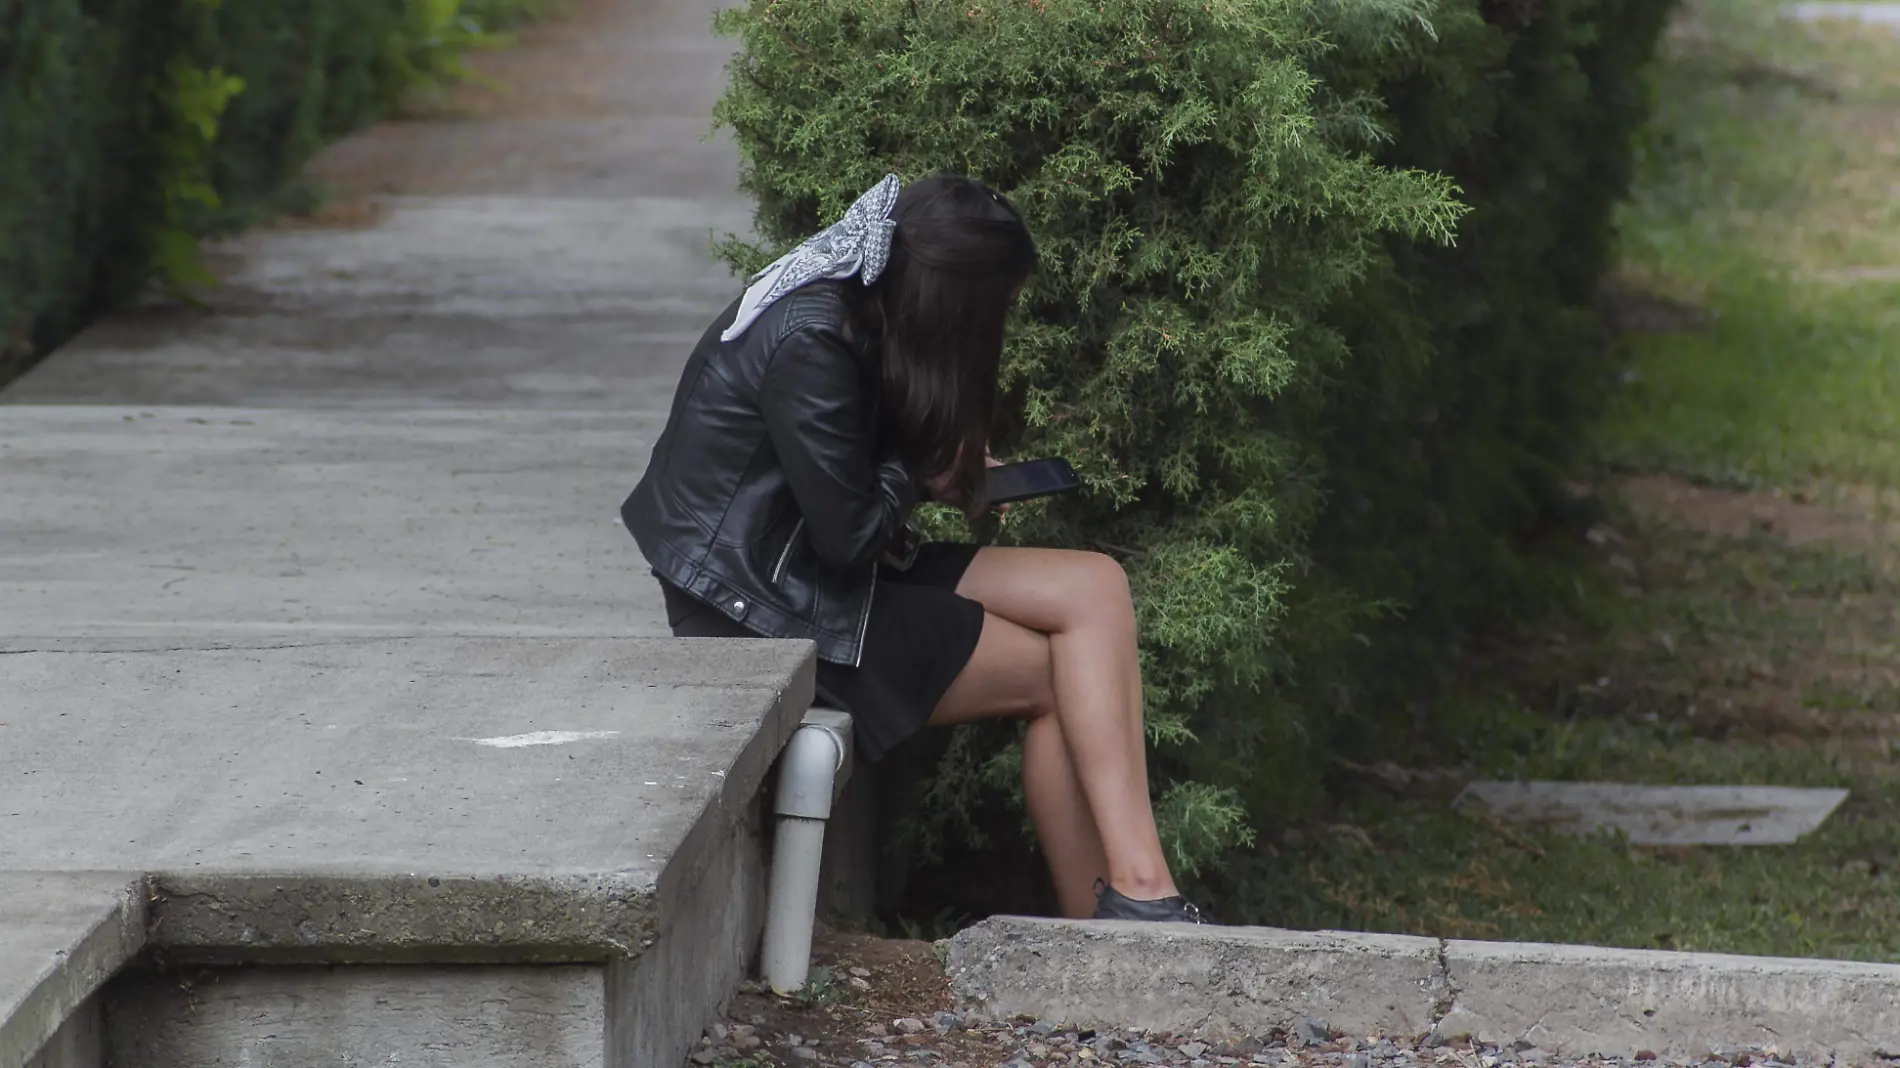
[440, 398]
[538, 247]
[316, 619]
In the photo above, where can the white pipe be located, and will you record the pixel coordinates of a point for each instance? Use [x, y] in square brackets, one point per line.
[807, 779]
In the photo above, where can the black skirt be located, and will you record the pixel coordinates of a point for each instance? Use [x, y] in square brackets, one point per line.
[920, 636]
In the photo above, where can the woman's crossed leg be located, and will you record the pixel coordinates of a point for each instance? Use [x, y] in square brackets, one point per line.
[1059, 649]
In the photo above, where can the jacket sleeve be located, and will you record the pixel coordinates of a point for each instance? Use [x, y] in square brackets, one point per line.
[820, 417]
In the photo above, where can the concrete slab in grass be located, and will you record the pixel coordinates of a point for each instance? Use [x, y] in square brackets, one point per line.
[227, 523]
[329, 799]
[62, 935]
[1662, 815]
[1870, 13]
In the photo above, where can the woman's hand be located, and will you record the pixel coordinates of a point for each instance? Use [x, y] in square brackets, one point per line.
[943, 493]
[940, 489]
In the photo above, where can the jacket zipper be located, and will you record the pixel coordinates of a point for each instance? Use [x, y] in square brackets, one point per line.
[785, 554]
[864, 621]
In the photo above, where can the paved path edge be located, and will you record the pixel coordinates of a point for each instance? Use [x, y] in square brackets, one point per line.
[1232, 982]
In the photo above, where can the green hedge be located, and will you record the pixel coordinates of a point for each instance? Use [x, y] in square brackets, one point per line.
[1316, 321]
[129, 126]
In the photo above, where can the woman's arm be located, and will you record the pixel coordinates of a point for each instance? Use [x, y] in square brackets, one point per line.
[819, 414]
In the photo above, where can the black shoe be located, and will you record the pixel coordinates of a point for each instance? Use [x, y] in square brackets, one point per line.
[1110, 904]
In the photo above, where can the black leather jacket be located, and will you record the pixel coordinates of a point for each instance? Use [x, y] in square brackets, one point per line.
[774, 492]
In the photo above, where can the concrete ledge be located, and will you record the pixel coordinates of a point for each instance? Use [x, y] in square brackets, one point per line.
[402, 800]
[1222, 982]
[235, 917]
[1566, 1000]
[62, 935]
[661, 1001]
[439, 823]
[1621, 1001]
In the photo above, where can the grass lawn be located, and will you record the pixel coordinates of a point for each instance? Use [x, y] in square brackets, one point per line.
[1742, 621]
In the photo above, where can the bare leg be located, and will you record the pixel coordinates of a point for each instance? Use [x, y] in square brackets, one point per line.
[1060, 811]
[1059, 638]
[1010, 675]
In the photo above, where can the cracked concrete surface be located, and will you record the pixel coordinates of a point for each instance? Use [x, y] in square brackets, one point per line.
[1231, 983]
[1443, 988]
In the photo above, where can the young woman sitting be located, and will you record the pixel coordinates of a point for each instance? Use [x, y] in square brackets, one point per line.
[856, 377]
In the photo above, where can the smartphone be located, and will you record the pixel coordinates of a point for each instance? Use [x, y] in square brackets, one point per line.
[1031, 479]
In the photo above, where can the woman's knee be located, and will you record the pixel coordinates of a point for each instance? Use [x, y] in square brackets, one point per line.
[1052, 591]
[1101, 584]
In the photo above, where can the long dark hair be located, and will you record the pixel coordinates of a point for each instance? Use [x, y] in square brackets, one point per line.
[958, 257]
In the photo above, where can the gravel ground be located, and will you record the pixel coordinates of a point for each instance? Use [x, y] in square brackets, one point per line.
[875, 1002]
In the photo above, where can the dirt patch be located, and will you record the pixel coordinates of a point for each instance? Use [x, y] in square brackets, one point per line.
[1798, 518]
[346, 213]
[864, 990]
[1742, 615]
[1856, 275]
[559, 68]
[909, 978]
[547, 113]
[1632, 305]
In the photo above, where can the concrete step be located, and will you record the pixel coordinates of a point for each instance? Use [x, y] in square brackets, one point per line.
[446, 851]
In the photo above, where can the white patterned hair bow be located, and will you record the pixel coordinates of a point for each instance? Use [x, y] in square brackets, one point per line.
[858, 244]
